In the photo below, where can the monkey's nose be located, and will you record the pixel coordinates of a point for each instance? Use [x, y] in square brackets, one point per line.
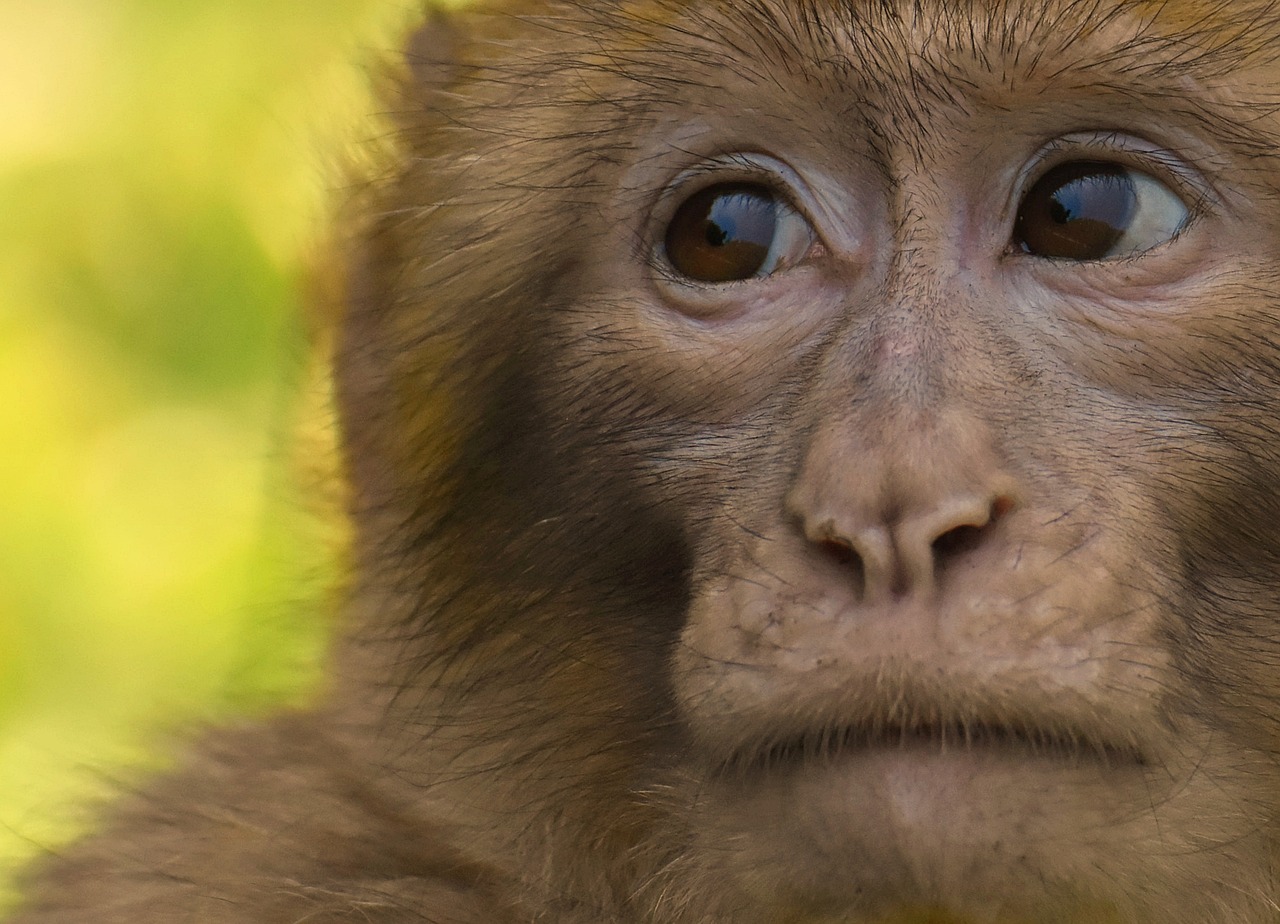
[904, 558]
[900, 514]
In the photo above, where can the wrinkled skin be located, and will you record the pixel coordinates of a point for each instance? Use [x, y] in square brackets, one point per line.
[930, 574]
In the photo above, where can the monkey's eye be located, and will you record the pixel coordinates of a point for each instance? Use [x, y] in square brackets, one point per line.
[735, 231]
[1093, 210]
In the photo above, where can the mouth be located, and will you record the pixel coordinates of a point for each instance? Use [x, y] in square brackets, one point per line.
[827, 744]
[943, 716]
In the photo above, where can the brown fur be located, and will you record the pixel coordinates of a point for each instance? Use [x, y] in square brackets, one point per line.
[922, 581]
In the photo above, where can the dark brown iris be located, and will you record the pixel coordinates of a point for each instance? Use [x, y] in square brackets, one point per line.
[723, 233]
[1077, 211]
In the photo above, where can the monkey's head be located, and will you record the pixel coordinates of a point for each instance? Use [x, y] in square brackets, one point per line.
[820, 461]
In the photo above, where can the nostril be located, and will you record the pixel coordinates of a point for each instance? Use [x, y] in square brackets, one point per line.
[965, 537]
[957, 541]
[839, 551]
[846, 557]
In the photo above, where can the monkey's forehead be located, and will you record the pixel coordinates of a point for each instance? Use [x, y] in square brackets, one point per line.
[1175, 15]
[1150, 34]
[864, 52]
[883, 75]
[935, 46]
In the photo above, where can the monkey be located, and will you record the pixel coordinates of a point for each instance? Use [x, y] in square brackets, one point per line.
[810, 462]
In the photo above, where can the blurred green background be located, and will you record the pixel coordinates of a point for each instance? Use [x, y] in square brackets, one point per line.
[165, 167]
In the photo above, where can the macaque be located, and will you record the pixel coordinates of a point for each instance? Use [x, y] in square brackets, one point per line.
[811, 462]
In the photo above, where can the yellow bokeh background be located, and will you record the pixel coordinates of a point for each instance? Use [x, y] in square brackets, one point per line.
[165, 168]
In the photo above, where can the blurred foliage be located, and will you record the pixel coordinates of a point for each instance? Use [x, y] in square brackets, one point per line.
[164, 168]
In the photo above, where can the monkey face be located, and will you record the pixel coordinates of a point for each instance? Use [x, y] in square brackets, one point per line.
[866, 421]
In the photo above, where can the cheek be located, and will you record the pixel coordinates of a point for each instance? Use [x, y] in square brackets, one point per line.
[1135, 334]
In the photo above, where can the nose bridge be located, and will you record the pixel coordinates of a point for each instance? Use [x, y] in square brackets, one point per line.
[899, 354]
